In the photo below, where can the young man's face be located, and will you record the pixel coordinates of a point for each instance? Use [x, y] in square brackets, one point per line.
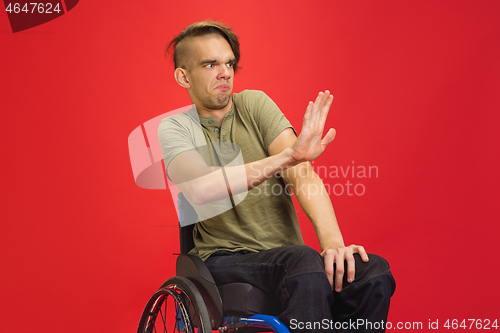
[210, 72]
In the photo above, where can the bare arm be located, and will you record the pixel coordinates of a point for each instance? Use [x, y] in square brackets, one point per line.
[202, 184]
[316, 203]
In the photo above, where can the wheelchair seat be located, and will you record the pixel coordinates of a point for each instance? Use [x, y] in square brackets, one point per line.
[243, 298]
[200, 303]
[231, 299]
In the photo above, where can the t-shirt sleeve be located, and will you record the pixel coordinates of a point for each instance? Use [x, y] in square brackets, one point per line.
[268, 117]
[174, 139]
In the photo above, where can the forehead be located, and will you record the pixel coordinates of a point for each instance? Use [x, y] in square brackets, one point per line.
[212, 46]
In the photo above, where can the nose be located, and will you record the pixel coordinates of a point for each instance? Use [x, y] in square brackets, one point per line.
[224, 72]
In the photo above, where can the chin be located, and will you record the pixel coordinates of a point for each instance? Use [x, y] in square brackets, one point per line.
[222, 102]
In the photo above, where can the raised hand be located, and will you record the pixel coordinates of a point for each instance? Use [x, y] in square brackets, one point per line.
[309, 144]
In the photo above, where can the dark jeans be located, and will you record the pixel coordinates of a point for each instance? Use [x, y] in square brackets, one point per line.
[295, 276]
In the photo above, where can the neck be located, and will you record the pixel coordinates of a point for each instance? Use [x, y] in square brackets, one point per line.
[218, 114]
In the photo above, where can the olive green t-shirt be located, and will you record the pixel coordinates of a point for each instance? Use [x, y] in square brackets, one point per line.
[266, 217]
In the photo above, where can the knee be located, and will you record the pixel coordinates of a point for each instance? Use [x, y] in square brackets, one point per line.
[369, 299]
[376, 262]
[303, 252]
[376, 273]
[302, 259]
[386, 285]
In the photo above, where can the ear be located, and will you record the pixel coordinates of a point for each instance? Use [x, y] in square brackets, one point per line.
[181, 77]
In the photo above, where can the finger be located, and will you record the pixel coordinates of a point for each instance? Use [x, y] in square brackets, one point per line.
[326, 96]
[363, 254]
[361, 251]
[328, 259]
[351, 267]
[316, 109]
[329, 137]
[324, 111]
[321, 103]
[339, 270]
[307, 115]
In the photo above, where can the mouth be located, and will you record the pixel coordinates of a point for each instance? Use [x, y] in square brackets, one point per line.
[223, 87]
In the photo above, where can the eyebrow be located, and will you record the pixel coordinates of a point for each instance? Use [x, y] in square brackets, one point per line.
[207, 61]
[211, 61]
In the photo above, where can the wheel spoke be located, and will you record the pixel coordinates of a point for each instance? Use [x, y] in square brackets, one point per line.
[185, 308]
[163, 315]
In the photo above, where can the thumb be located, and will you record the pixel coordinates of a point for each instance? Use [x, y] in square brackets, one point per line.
[329, 137]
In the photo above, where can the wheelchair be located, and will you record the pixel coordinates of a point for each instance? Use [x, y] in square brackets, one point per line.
[191, 302]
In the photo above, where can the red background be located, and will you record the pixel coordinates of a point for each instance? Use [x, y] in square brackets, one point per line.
[416, 94]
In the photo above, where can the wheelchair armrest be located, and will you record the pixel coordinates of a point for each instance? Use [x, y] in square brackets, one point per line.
[194, 269]
[192, 266]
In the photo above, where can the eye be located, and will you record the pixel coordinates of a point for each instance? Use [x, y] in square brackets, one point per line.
[209, 65]
[230, 64]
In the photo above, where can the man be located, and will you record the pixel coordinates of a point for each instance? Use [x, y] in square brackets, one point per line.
[257, 239]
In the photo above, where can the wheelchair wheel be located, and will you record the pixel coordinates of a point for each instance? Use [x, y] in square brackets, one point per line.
[176, 307]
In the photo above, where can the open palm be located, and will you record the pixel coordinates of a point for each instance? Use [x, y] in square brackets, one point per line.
[309, 144]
